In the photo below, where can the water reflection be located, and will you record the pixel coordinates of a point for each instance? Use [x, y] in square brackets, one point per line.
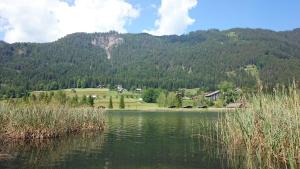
[132, 140]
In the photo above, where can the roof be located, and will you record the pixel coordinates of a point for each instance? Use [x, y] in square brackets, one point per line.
[212, 93]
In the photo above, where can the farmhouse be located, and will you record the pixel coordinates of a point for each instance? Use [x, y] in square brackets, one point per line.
[213, 96]
[120, 89]
[100, 86]
[138, 90]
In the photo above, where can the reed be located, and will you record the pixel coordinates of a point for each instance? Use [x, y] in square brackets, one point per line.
[38, 121]
[266, 131]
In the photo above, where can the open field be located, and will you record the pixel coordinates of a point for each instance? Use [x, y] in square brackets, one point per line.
[133, 100]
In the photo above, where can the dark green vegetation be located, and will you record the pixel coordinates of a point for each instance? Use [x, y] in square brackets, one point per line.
[122, 103]
[150, 95]
[198, 59]
[110, 106]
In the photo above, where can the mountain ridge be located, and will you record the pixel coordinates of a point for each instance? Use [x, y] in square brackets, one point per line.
[198, 59]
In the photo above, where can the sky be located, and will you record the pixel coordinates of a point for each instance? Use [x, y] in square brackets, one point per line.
[48, 20]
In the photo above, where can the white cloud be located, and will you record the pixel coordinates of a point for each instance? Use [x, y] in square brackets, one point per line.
[173, 17]
[48, 20]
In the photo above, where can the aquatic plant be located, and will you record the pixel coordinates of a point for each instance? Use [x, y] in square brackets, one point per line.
[37, 121]
[266, 131]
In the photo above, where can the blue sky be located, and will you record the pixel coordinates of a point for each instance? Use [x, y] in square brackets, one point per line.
[175, 17]
[276, 15]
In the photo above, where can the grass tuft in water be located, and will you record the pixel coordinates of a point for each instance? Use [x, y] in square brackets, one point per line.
[38, 121]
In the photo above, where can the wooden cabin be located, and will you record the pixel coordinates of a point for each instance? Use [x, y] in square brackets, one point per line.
[213, 96]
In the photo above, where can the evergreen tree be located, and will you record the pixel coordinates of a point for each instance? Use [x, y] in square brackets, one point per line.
[90, 101]
[74, 100]
[122, 103]
[178, 100]
[83, 100]
[110, 106]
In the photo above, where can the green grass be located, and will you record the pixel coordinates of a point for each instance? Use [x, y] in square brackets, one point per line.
[37, 121]
[132, 99]
[268, 130]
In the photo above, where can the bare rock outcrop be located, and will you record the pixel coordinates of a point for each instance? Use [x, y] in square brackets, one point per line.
[108, 42]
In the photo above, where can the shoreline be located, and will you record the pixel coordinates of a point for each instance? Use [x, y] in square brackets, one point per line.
[176, 110]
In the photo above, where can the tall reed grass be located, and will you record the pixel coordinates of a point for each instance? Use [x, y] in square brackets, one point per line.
[37, 121]
[266, 132]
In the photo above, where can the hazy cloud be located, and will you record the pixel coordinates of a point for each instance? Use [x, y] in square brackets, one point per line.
[173, 17]
[48, 20]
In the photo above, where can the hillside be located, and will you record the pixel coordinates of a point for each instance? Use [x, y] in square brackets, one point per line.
[198, 59]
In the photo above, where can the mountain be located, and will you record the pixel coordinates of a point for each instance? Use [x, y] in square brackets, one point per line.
[198, 59]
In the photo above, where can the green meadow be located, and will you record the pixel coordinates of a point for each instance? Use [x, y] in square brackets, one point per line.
[133, 100]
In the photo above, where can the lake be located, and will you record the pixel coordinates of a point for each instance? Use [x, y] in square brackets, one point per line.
[131, 140]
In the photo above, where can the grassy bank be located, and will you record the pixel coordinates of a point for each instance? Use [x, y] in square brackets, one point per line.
[38, 121]
[267, 131]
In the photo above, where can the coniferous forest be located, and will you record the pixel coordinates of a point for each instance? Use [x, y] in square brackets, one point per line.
[198, 59]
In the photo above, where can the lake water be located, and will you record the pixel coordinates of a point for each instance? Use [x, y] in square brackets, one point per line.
[131, 140]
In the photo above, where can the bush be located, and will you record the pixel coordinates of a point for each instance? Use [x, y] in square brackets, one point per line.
[150, 95]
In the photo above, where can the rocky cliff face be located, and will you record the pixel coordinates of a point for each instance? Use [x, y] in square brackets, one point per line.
[108, 42]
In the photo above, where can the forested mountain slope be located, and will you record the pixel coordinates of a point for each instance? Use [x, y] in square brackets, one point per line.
[197, 59]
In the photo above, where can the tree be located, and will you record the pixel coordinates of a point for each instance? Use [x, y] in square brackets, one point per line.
[150, 95]
[174, 99]
[110, 106]
[178, 100]
[162, 100]
[229, 94]
[122, 104]
[226, 86]
[74, 100]
[83, 100]
[171, 99]
[90, 101]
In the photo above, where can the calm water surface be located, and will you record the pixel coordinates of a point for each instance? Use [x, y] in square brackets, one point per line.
[132, 140]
